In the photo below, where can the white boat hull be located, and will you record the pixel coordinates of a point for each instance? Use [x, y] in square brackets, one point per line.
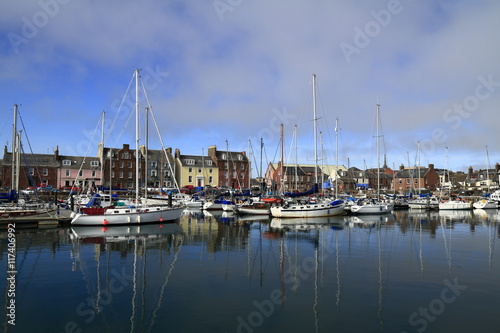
[454, 205]
[308, 210]
[121, 216]
[372, 209]
[485, 204]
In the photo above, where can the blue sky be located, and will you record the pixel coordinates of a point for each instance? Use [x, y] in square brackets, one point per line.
[235, 69]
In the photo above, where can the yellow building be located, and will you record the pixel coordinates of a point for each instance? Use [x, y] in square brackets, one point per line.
[194, 170]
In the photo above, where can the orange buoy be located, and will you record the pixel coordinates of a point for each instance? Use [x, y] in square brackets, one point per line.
[105, 222]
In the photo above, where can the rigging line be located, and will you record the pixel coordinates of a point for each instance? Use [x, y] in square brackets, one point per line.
[159, 134]
[29, 145]
[120, 108]
[87, 152]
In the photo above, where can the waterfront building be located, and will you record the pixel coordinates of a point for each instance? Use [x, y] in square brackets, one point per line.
[195, 170]
[296, 177]
[416, 179]
[233, 167]
[51, 170]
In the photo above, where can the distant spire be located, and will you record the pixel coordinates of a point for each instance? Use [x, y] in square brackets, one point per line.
[385, 162]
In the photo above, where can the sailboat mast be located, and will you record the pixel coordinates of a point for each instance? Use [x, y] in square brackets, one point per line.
[315, 134]
[282, 176]
[336, 156]
[18, 160]
[378, 152]
[487, 168]
[102, 150]
[13, 183]
[418, 166]
[146, 154]
[296, 158]
[137, 136]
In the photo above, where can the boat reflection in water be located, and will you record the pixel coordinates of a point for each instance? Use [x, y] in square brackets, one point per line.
[139, 287]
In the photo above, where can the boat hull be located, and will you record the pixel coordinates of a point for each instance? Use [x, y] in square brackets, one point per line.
[451, 205]
[122, 216]
[309, 210]
[372, 209]
[485, 204]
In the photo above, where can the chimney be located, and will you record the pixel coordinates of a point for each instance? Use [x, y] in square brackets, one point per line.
[169, 150]
[177, 153]
[431, 166]
[497, 167]
[56, 153]
[470, 171]
[401, 167]
[212, 150]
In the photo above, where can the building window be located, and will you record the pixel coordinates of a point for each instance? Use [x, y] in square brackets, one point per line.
[210, 170]
[126, 155]
[240, 157]
[190, 179]
[153, 164]
[208, 162]
[94, 163]
[93, 173]
[130, 165]
[224, 157]
[120, 174]
[32, 171]
[210, 180]
[190, 170]
[199, 170]
[167, 173]
[190, 161]
[66, 162]
[112, 174]
[121, 165]
[80, 173]
[45, 172]
[153, 173]
[129, 175]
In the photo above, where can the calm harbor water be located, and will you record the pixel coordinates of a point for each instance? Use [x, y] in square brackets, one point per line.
[403, 272]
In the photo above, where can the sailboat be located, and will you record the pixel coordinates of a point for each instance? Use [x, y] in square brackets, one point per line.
[456, 203]
[374, 206]
[316, 209]
[17, 207]
[486, 203]
[122, 215]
